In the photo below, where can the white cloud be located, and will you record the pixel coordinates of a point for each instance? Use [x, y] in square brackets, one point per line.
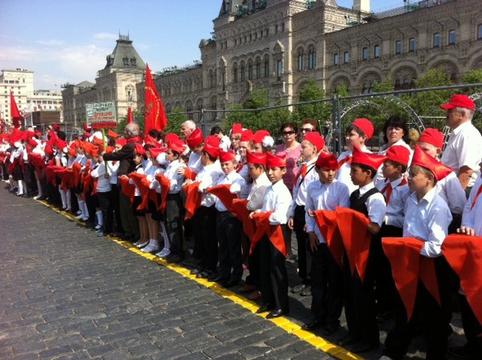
[105, 36]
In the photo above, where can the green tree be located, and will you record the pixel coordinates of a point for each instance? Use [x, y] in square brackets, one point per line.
[138, 116]
[175, 119]
[319, 111]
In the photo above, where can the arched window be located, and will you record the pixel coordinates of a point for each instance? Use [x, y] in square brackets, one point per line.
[266, 65]
[258, 68]
[243, 71]
[130, 92]
[301, 59]
[377, 52]
[250, 69]
[235, 72]
[436, 40]
[311, 58]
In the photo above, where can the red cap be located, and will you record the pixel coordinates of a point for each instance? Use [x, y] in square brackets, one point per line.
[155, 151]
[373, 161]
[237, 128]
[112, 134]
[327, 161]
[247, 135]
[211, 146]
[225, 156]
[195, 139]
[459, 101]
[72, 151]
[177, 146]
[278, 160]
[60, 144]
[170, 137]
[149, 140]
[259, 136]
[139, 149]
[366, 126]
[316, 139]
[399, 154]
[121, 141]
[256, 158]
[432, 136]
[422, 159]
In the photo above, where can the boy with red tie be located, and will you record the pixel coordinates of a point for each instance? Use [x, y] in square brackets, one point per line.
[271, 222]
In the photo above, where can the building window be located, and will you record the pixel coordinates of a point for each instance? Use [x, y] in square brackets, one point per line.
[250, 70]
[243, 71]
[346, 57]
[412, 45]
[311, 58]
[301, 60]
[283, 27]
[258, 68]
[266, 66]
[336, 59]
[436, 40]
[398, 47]
[365, 53]
[479, 32]
[452, 39]
[276, 29]
[235, 72]
[377, 52]
[279, 69]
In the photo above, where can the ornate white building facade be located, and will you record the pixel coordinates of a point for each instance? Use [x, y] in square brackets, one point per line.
[280, 45]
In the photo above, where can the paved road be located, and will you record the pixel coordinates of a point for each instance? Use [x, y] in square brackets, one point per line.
[67, 294]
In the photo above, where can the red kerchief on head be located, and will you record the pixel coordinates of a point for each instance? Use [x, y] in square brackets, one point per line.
[259, 136]
[195, 139]
[149, 140]
[247, 135]
[366, 126]
[60, 144]
[170, 137]
[275, 160]
[316, 139]
[459, 101]
[139, 149]
[211, 146]
[399, 154]
[225, 156]
[373, 161]
[112, 134]
[177, 146]
[256, 158]
[155, 151]
[237, 128]
[422, 159]
[327, 161]
[432, 136]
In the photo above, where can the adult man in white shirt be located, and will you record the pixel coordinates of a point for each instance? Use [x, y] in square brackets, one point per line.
[462, 152]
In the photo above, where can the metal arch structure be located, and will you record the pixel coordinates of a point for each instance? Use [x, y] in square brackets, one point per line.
[415, 119]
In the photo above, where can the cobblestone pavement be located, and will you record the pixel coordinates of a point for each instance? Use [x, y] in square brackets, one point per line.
[67, 294]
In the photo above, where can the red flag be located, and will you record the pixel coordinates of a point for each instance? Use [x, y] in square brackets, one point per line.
[130, 118]
[155, 114]
[16, 116]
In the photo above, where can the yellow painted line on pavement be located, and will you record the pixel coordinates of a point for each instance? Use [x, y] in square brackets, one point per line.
[284, 323]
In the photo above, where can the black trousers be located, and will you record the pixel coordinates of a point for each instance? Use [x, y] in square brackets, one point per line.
[115, 208]
[304, 256]
[228, 232]
[428, 316]
[174, 216]
[206, 237]
[273, 276]
[385, 289]
[359, 301]
[326, 287]
[129, 221]
[472, 328]
[105, 204]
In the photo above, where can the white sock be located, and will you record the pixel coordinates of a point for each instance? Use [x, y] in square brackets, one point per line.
[165, 236]
[20, 187]
[85, 210]
[100, 219]
[68, 199]
[39, 186]
[62, 197]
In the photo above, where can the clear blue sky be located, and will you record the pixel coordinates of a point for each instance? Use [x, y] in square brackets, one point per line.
[68, 40]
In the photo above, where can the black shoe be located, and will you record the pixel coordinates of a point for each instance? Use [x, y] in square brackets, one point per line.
[232, 283]
[276, 313]
[204, 274]
[174, 258]
[312, 325]
[212, 276]
[264, 308]
[362, 347]
[330, 329]
[347, 341]
[464, 352]
[220, 279]
[196, 271]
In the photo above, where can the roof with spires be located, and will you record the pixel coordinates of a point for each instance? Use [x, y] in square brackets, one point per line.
[124, 56]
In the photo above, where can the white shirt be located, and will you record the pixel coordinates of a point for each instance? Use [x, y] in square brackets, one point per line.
[194, 162]
[450, 189]
[16, 153]
[112, 167]
[324, 197]
[277, 200]
[379, 178]
[394, 213]
[175, 179]
[139, 170]
[208, 176]
[472, 216]
[103, 181]
[237, 184]
[427, 220]
[343, 174]
[257, 192]
[463, 149]
[301, 186]
[375, 204]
